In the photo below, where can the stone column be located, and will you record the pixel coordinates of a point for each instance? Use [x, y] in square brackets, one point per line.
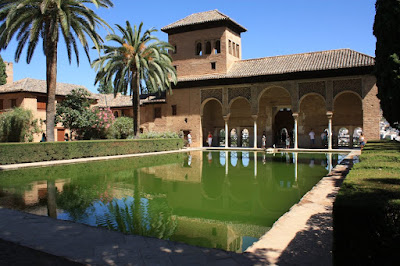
[226, 118]
[295, 116]
[255, 130]
[329, 115]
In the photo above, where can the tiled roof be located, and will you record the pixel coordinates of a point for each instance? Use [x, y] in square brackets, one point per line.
[108, 100]
[202, 17]
[38, 86]
[275, 65]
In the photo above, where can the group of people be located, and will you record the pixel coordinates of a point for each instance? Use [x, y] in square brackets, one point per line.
[44, 138]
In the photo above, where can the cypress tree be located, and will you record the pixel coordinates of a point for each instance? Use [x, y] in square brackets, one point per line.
[3, 74]
[387, 67]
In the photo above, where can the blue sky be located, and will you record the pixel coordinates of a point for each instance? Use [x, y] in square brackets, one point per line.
[274, 28]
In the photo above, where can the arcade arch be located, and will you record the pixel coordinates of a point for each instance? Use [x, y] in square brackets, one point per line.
[312, 116]
[347, 113]
[240, 118]
[212, 120]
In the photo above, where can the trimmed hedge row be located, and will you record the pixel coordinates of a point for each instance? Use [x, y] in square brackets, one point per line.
[11, 153]
[366, 213]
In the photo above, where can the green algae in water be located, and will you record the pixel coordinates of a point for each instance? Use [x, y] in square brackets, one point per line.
[221, 199]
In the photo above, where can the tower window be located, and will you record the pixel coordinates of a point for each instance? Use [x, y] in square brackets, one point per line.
[217, 49]
[1, 104]
[173, 109]
[237, 50]
[208, 47]
[199, 49]
[213, 65]
[176, 68]
[230, 47]
[234, 49]
[175, 49]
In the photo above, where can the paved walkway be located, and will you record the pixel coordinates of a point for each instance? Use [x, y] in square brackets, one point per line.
[303, 236]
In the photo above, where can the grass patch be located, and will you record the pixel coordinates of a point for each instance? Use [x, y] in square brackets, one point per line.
[366, 213]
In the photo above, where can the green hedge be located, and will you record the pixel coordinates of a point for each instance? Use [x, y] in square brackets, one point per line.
[366, 213]
[11, 153]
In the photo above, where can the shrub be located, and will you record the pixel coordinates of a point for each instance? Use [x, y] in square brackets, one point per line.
[18, 125]
[159, 135]
[121, 128]
[12, 153]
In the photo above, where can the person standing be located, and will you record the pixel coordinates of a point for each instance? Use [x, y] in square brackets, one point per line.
[312, 137]
[264, 140]
[287, 142]
[209, 139]
[189, 138]
[362, 141]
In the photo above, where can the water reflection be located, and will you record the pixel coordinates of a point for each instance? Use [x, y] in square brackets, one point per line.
[210, 199]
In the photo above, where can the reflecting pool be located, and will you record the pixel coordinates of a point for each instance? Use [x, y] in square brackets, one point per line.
[219, 199]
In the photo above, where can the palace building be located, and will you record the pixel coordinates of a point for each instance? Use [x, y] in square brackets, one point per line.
[240, 100]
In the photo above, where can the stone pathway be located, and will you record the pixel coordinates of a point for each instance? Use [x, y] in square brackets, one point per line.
[303, 236]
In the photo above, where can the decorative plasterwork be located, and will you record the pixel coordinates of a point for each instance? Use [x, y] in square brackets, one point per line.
[312, 87]
[239, 92]
[347, 85]
[211, 93]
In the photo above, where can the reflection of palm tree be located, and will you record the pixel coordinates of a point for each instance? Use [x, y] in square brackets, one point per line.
[51, 199]
[140, 216]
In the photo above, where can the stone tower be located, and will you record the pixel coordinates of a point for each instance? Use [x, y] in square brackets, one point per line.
[205, 43]
[9, 72]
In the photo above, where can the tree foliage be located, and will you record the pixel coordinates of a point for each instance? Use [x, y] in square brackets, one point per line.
[121, 128]
[105, 88]
[3, 73]
[48, 20]
[387, 67]
[74, 112]
[139, 59]
[18, 125]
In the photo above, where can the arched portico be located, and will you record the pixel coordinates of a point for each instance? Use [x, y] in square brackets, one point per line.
[312, 116]
[212, 120]
[347, 113]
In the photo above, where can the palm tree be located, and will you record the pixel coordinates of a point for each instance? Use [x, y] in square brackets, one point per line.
[139, 62]
[32, 20]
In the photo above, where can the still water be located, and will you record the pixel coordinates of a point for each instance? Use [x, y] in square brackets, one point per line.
[223, 200]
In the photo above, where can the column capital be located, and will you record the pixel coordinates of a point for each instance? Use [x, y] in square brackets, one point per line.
[329, 114]
[295, 115]
[226, 117]
[254, 117]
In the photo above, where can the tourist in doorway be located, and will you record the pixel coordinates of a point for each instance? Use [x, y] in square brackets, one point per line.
[287, 142]
[362, 141]
[312, 137]
[189, 139]
[264, 140]
[209, 139]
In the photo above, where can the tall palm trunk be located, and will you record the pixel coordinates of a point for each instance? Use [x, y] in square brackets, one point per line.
[136, 103]
[51, 82]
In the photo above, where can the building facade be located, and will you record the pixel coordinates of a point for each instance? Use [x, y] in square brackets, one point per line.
[240, 100]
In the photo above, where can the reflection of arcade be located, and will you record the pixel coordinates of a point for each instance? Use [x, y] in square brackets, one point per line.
[232, 192]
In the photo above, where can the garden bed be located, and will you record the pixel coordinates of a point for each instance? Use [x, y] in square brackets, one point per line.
[366, 213]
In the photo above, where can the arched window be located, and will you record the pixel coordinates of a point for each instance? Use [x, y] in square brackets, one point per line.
[222, 137]
[237, 50]
[217, 48]
[234, 49]
[199, 49]
[343, 137]
[356, 137]
[208, 47]
[230, 47]
[234, 138]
